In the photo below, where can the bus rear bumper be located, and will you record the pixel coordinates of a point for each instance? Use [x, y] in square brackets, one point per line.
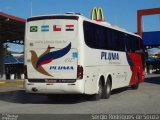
[55, 88]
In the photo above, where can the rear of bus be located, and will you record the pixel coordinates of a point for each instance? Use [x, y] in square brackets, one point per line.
[51, 49]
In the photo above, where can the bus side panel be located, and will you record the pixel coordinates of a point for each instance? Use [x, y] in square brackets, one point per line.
[90, 86]
[97, 63]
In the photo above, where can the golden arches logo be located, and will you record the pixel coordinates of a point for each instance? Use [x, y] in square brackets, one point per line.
[97, 14]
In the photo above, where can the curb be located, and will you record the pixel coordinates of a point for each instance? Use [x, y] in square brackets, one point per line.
[16, 83]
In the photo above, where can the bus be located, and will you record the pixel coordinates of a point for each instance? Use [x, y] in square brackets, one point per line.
[72, 54]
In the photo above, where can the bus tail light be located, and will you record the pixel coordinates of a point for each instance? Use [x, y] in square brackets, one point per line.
[79, 72]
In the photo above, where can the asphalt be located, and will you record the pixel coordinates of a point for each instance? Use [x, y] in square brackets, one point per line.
[145, 100]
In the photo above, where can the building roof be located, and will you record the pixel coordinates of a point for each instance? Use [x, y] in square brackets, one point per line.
[11, 27]
[13, 60]
[151, 38]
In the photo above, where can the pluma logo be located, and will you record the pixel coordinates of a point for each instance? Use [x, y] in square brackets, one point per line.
[47, 57]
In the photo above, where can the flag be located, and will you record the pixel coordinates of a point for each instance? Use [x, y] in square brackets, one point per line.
[57, 27]
[33, 28]
[69, 27]
[45, 28]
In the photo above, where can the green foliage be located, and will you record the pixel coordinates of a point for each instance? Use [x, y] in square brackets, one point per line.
[7, 53]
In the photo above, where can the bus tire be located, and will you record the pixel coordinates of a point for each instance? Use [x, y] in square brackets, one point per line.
[97, 96]
[135, 86]
[100, 90]
[107, 89]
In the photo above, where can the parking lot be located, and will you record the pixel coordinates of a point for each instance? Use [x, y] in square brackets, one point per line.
[145, 100]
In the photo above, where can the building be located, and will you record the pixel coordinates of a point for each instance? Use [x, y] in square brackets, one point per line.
[11, 30]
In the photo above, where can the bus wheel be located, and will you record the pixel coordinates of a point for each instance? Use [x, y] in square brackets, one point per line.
[107, 89]
[100, 90]
[135, 86]
[97, 96]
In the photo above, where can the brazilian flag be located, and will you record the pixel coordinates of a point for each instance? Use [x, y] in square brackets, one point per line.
[33, 28]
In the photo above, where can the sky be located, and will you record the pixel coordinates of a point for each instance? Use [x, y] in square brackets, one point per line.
[122, 13]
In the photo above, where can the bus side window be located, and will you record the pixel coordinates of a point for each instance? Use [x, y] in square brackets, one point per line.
[132, 43]
[104, 41]
[140, 44]
[112, 40]
[115, 40]
[137, 44]
[108, 36]
[128, 43]
[121, 42]
[89, 34]
[100, 38]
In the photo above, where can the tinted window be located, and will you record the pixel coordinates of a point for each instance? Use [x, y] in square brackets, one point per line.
[133, 43]
[100, 37]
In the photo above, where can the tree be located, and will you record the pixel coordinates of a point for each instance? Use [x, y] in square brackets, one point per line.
[7, 53]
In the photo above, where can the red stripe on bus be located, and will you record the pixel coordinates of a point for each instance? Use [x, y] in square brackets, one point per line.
[69, 25]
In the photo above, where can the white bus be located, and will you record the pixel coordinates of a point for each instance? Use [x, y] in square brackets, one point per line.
[71, 54]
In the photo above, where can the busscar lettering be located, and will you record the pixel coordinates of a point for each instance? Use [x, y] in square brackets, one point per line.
[61, 68]
[109, 56]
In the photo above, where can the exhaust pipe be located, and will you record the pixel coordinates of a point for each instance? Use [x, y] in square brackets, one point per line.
[34, 89]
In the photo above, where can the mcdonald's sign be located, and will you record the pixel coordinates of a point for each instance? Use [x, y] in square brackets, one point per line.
[97, 14]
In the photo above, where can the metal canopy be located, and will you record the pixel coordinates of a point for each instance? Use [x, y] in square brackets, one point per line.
[11, 28]
[151, 38]
[14, 60]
